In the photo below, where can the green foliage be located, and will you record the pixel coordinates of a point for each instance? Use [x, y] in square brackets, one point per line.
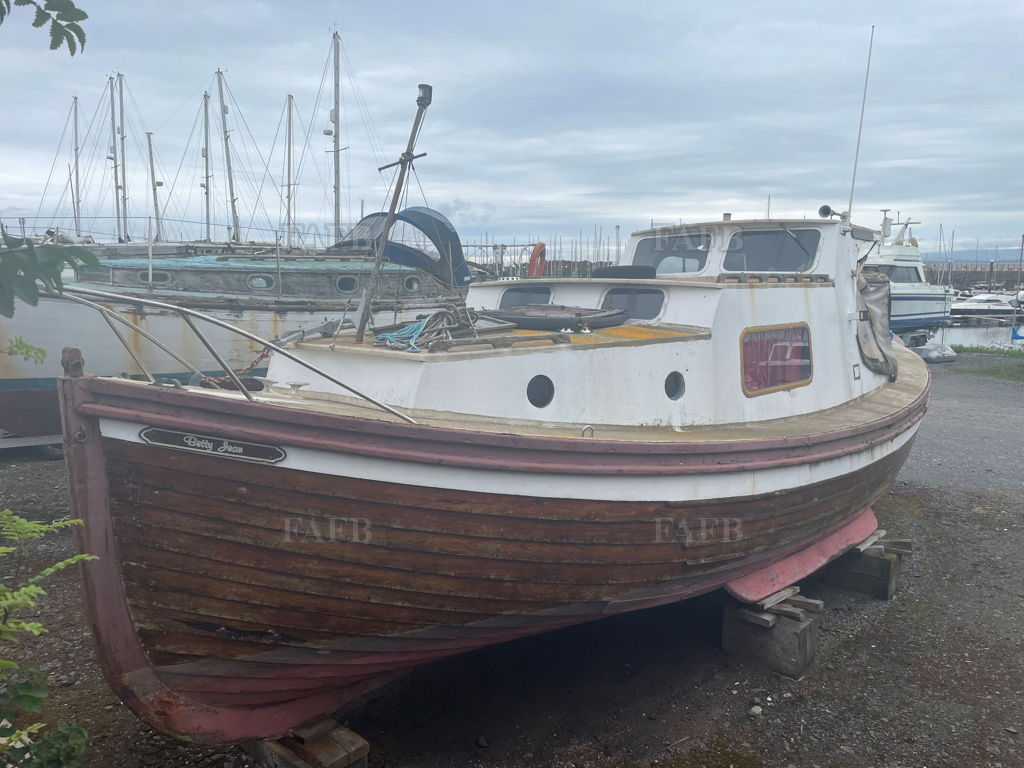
[998, 352]
[62, 16]
[25, 265]
[23, 691]
[18, 347]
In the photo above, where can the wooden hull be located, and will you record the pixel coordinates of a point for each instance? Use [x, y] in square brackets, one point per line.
[234, 599]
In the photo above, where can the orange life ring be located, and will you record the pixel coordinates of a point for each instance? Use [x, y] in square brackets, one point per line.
[538, 259]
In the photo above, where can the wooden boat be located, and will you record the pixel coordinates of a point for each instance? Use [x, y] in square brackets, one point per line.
[265, 560]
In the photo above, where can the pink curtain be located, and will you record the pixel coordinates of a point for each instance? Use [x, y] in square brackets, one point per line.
[775, 358]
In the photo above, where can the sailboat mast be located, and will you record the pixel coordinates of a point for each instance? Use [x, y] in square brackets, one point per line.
[206, 161]
[76, 196]
[288, 177]
[227, 158]
[336, 122]
[423, 99]
[113, 156]
[152, 180]
[124, 164]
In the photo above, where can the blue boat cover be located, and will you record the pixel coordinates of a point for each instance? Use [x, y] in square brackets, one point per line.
[448, 265]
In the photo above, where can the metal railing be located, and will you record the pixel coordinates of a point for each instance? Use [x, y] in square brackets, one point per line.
[189, 316]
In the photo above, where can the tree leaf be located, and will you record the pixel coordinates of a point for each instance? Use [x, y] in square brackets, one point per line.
[14, 242]
[72, 14]
[72, 45]
[78, 32]
[6, 300]
[25, 288]
[56, 35]
[41, 18]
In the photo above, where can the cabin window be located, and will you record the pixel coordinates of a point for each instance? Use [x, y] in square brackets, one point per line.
[775, 358]
[159, 278]
[540, 391]
[347, 284]
[413, 284]
[522, 295]
[672, 254]
[260, 282]
[675, 385]
[638, 303]
[902, 274]
[772, 250]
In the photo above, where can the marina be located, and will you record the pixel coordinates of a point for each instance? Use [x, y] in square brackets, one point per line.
[546, 417]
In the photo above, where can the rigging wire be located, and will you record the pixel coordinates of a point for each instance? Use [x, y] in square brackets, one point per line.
[245, 123]
[177, 172]
[60, 144]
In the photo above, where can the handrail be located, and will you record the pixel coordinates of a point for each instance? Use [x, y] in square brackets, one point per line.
[108, 316]
[187, 313]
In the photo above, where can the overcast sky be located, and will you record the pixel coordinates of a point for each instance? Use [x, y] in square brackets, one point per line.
[548, 118]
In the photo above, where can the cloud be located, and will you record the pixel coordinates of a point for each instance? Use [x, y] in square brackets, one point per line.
[548, 117]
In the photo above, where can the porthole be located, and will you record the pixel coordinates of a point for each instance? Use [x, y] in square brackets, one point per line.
[675, 385]
[158, 277]
[540, 391]
[413, 284]
[260, 282]
[347, 284]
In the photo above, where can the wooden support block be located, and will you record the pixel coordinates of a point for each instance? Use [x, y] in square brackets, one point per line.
[778, 597]
[870, 540]
[786, 647]
[318, 744]
[759, 618]
[901, 547]
[784, 609]
[871, 572]
[807, 603]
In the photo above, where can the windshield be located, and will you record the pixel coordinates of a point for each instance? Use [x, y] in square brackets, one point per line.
[773, 250]
[673, 254]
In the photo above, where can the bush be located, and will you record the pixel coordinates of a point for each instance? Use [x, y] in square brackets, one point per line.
[23, 741]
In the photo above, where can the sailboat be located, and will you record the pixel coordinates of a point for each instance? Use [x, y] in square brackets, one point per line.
[265, 291]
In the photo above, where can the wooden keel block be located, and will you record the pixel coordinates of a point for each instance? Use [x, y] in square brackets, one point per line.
[870, 540]
[901, 547]
[786, 645]
[808, 604]
[758, 618]
[318, 744]
[778, 597]
[873, 572]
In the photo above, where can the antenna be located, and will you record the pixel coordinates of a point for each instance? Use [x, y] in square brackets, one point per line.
[860, 128]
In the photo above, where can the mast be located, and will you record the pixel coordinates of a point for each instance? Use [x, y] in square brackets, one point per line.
[423, 99]
[113, 156]
[336, 122]
[124, 164]
[158, 237]
[288, 176]
[206, 161]
[76, 189]
[227, 158]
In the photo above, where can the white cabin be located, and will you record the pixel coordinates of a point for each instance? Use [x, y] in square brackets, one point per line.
[746, 321]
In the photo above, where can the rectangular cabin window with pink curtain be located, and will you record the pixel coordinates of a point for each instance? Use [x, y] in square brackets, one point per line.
[775, 358]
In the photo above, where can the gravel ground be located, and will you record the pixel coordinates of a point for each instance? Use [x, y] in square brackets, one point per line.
[932, 678]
